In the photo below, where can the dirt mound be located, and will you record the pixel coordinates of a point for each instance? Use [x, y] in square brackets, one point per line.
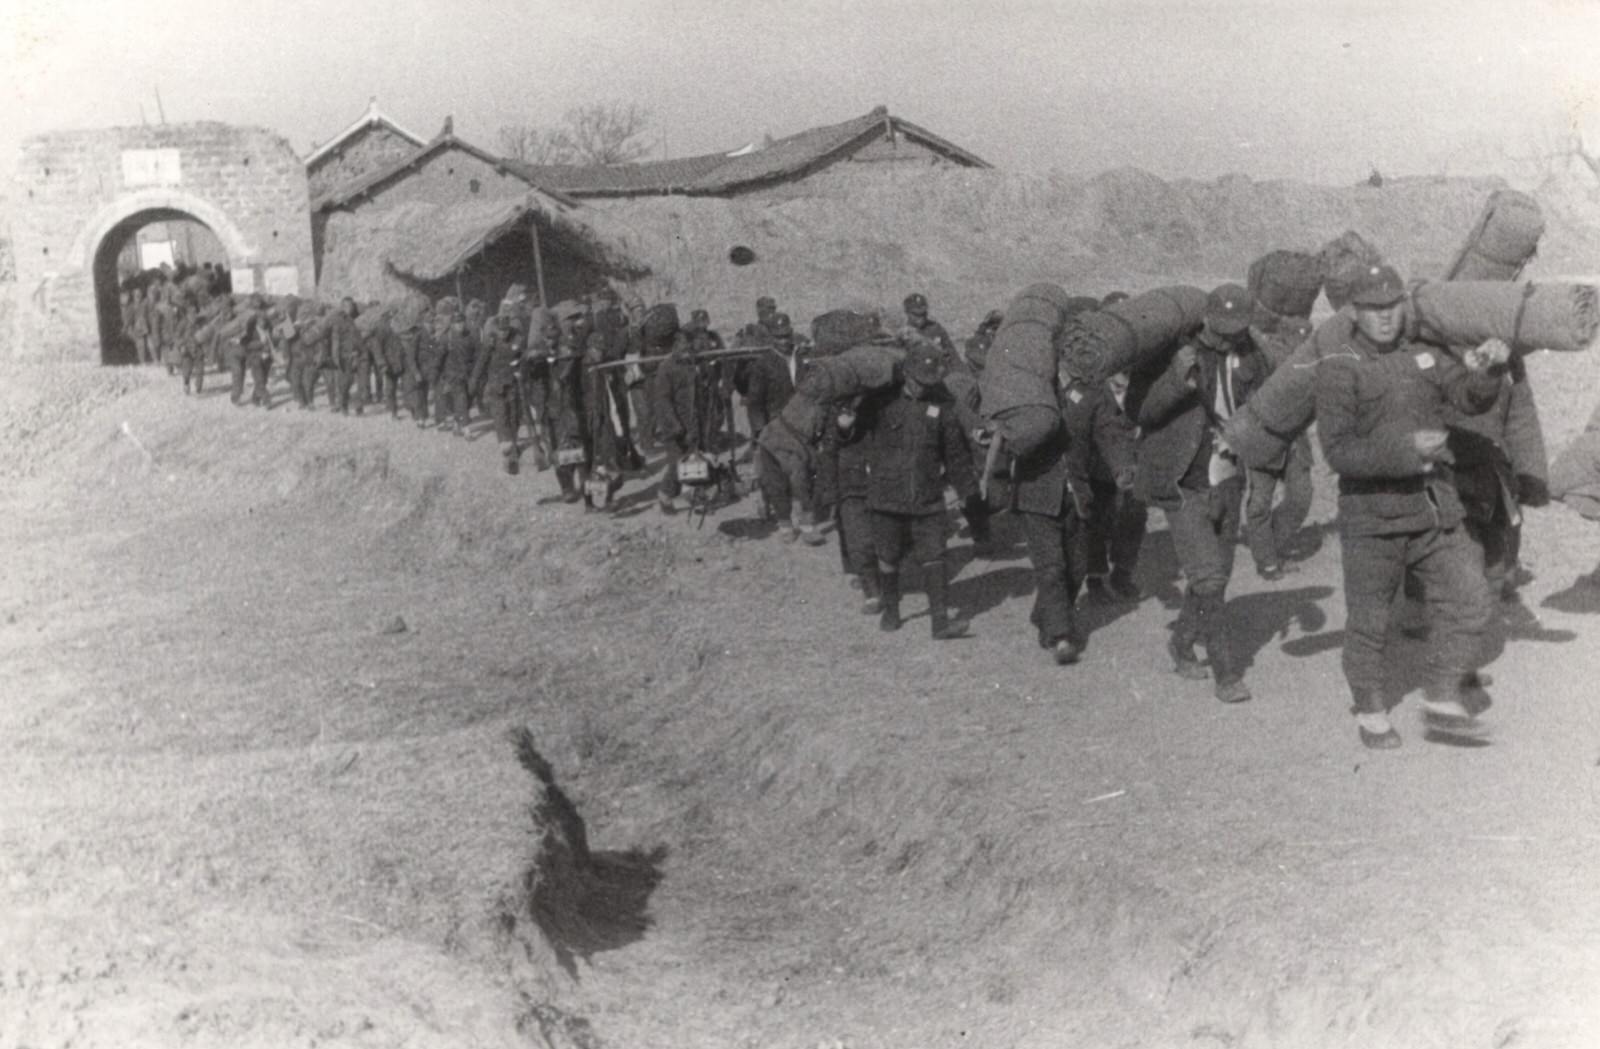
[970, 239]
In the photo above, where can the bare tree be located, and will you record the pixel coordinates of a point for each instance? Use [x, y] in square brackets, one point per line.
[533, 145]
[608, 132]
[597, 133]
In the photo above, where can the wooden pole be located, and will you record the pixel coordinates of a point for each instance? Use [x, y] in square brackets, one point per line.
[538, 258]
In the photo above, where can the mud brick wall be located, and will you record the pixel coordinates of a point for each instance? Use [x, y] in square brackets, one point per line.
[79, 194]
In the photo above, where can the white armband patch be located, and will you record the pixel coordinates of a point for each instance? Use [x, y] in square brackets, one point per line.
[1075, 396]
[1425, 360]
[933, 411]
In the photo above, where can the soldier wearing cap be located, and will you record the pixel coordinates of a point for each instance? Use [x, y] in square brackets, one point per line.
[915, 449]
[250, 335]
[496, 373]
[1271, 531]
[1382, 410]
[1187, 470]
[774, 375]
[344, 353]
[978, 343]
[917, 319]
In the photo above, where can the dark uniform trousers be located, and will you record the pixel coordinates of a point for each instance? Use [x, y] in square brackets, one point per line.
[895, 534]
[1114, 533]
[256, 362]
[193, 360]
[504, 405]
[1447, 564]
[785, 481]
[1203, 525]
[856, 537]
[1059, 555]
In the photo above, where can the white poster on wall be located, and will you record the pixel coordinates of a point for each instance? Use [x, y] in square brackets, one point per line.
[153, 254]
[244, 281]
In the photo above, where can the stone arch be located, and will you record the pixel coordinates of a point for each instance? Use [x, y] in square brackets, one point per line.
[94, 253]
[89, 240]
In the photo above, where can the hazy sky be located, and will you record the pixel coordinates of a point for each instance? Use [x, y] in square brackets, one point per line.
[1312, 89]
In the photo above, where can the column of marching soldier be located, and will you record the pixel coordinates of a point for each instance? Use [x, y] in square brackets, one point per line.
[1435, 452]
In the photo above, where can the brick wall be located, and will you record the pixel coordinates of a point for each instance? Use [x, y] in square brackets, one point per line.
[75, 194]
[371, 149]
[445, 177]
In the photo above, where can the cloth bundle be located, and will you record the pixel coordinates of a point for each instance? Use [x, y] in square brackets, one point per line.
[838, 330]
[1134, 334]
[1285, 283]
[1502, 241]
[1021, 365]
[1563, 317]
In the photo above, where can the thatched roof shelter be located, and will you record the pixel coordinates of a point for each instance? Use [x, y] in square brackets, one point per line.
[420, 245]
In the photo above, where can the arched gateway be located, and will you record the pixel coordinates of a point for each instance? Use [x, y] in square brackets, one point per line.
[83, 196]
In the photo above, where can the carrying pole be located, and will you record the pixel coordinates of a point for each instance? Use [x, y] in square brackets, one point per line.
[538, 258]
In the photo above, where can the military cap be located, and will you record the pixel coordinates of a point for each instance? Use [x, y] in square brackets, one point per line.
[700, 317]
[1228, 309]
[781, 325]
[916, 302]
[925, 363]
[766, 302]
[1114, 297]
[1377, 286]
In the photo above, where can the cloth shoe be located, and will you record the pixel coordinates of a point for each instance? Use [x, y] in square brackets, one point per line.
[944, 626]
[1375, 731]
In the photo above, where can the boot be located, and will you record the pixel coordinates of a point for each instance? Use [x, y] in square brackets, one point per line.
[1217, 637]
[1180, 646]
[666, 503]
[945, 626]
[871, 592]
[1372, 721]
[810, 534]
[889, 594]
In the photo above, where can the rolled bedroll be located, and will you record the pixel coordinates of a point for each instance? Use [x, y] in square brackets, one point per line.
[1285, 283]
[1021, 366]
[860, 369]
[1502, 241]
[1562, 317]
[1132, 335]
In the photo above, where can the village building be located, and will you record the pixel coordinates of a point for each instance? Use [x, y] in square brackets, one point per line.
[875, 138]
[452, 218]
[372, 142]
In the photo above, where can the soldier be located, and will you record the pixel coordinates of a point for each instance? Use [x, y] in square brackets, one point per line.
[344, 353]
[286, 337]
[497, 367]
[917, 319]
[1499, 467]
[476, 314]
[314, 354]
[191, 359]
[568, 415]
[1117, 519]
[250, 333]
[1188, 471]
[842, 478]
[915, 447]
[1381, 416]
[687, 410]
[978, 343]
[164, 321]
[773, 376]
[1271, 532]
[455, 369]
[140, 327]
[424, 364]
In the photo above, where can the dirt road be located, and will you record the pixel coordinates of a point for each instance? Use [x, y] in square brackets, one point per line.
[241, 806]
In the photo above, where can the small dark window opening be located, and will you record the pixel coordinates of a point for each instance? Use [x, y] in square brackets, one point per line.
[474, 185]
